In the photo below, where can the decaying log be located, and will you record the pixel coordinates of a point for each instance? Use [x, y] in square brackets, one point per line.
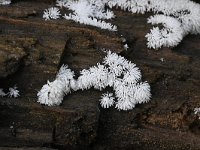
[31, 52]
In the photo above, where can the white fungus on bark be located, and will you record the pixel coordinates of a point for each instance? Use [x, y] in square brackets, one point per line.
[115, 71]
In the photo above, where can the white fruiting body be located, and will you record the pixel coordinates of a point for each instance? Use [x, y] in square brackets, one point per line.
[178, 18]
[2, 93]
[51, 13]
[13, 92]
[107, 100]
[5, 2]
[115, 71]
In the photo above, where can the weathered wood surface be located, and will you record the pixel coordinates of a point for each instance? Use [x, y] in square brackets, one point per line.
[32, 50]
[25, 148]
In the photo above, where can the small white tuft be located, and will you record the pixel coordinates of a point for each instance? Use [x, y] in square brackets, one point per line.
[142, 93]
[107, 100]
[2, 93]
[5, 2]
[13, 92]
[51, 93]
[51, 13]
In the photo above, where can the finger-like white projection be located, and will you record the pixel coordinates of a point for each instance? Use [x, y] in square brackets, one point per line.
[170, 35]
[115, 71]
[178, 18]
[5, 2]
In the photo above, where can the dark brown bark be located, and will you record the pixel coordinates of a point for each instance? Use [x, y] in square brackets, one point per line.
[32, 50]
